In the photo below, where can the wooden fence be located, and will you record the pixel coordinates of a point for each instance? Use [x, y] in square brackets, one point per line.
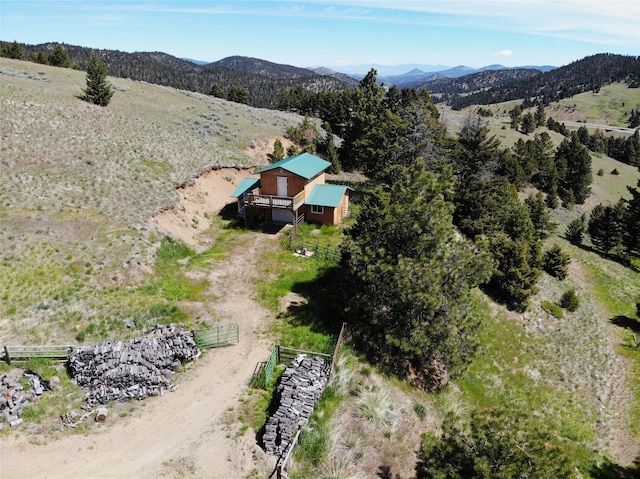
[21, 354]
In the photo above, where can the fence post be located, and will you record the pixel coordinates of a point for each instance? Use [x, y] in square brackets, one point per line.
[6, 356]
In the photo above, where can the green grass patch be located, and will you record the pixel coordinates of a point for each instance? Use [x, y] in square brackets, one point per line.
[316, 440]
[509, 371]
[281, 271]
[171, 281]
[219, 250]
[617, 289]
[552, 308]
[612, 103]
[303, 336]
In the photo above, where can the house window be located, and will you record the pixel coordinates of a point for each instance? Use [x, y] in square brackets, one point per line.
[318, 210]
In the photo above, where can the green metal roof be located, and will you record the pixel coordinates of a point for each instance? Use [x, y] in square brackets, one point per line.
[305, 165]
[326, 195]
[247, 184]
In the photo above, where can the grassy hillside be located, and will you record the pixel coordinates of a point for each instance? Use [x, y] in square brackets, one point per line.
[81, 183]
[611, 105]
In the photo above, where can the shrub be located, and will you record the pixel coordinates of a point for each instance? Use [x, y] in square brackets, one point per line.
[615, 171]
[569, 300]
[497, 443]
[421, 410]
[552, 308]
[600, 172]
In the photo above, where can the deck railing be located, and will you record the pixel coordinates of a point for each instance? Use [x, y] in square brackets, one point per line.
[273, 201]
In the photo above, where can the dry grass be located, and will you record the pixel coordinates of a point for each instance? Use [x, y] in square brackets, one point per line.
[81, 183]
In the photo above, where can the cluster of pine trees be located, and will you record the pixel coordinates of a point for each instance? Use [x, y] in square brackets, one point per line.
[406, 272]
[443, 218]
[612, 228]
[56, 58]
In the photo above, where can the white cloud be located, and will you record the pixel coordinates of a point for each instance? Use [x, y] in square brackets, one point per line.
[503, 53]
[597, 21]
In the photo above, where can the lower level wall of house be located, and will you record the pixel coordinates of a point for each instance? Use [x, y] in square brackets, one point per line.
[327, 217]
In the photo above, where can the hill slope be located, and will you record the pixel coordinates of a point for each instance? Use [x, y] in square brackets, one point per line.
[589, 73]
[262, 79]
[89, 179]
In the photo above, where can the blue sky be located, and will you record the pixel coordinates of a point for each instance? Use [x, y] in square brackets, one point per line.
[338, 33]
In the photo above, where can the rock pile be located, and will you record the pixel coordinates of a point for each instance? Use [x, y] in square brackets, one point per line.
[14, 398]
[300, 387]
[123, 370]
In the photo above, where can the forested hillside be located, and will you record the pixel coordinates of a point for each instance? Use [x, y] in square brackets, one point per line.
[448, 89]
[244, 80]
[588, 74]
[269, 85]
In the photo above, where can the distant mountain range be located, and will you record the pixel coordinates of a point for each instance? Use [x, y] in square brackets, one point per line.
[417, 74]
[264, 81]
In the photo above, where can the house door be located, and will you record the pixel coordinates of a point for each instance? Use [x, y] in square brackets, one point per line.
[282, 186]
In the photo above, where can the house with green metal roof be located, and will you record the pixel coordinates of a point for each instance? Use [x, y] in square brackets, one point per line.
[292, 190]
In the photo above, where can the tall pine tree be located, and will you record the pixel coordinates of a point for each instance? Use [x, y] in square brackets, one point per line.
[98, 91]
[407, 277]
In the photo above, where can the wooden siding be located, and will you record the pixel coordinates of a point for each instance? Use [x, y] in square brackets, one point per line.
[269, 182]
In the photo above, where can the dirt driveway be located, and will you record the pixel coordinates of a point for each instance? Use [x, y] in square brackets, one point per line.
[191, 432]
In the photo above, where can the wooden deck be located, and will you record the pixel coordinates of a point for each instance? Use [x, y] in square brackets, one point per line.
[271, 201]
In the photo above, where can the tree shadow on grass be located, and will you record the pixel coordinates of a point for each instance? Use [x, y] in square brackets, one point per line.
[626, 322]
[384, 472]
[320, 311]
[612, 257]
[609, 470]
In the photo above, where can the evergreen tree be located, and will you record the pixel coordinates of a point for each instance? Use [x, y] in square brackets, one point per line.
[631, 238]
[570, 300]
[540, 116]
[556, 261]
[59, 57]
[239, 94]
[517, 271]
[576, 229]
[497, 444]
[516, 117]
[575, 174]
[14, 50]
[607, 225]
[216, 91]
[528, 124]
[278, 151]
[479, 153]
[406, 280]
[98, 91]
[329, 149]
[374, 135]
[540, 216]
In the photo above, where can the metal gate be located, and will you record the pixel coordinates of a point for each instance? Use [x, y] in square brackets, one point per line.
[217, 336]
